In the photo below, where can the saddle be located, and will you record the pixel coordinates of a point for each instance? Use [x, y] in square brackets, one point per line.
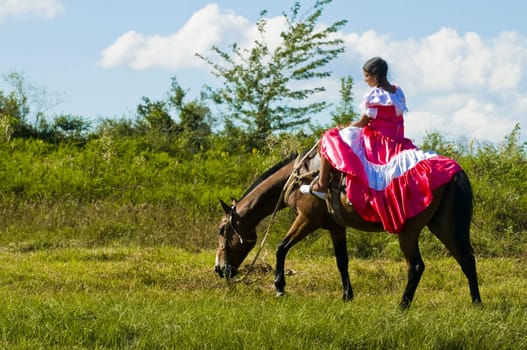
[337, 200]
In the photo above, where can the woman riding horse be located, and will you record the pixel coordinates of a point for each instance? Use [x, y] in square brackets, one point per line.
[391, 186]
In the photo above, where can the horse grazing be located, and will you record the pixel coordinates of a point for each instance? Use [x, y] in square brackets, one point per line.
[448, 217]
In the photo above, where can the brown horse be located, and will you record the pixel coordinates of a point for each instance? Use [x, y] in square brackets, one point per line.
[448, 217]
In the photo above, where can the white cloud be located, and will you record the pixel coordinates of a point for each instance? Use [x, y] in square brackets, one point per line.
[207, 27]
[417, 124]
[47, 9]
[122, 49]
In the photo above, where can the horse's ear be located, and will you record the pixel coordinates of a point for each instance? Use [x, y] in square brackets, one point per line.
[225, 206]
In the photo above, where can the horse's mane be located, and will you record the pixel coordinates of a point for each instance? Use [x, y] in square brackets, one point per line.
[270, 172]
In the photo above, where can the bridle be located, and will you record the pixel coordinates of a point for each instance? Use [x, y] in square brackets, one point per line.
[226, 233]
[227, 230]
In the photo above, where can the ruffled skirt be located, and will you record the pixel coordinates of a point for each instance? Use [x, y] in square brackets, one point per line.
[386, 181]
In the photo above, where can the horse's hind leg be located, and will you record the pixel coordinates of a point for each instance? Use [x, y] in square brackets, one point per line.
[408, 242]
[338, 236]
[468, 265]
[451, 224]
[461, 250]
[463, 255]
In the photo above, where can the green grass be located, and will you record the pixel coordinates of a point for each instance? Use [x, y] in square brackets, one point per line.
[166, 298]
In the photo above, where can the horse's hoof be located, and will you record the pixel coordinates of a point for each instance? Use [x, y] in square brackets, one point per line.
[347, 297]
[477, 303]
[404, 305]
[280, 294]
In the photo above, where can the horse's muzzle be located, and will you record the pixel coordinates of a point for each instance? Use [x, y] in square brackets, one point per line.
[219, 271]
[225, 271]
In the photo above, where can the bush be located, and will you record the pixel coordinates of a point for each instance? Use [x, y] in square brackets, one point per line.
[117, 188]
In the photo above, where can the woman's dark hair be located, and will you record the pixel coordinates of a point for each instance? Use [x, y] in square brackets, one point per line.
[377, 67]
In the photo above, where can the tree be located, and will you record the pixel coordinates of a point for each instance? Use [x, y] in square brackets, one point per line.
[156, 115]
[262, 91]
[14, 108]
[11, 116]
[195, 119]
[22, 110]
[344, 113]
[69, 128]
[174, 125]
[193, 115]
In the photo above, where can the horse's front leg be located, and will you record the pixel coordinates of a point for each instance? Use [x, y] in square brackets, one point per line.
[300, 228]
[279, 277]
[338, 237]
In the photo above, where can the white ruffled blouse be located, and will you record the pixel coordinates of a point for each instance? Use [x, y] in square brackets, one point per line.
[380, 97]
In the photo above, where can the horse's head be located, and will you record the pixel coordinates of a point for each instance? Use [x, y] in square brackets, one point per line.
[234, 242]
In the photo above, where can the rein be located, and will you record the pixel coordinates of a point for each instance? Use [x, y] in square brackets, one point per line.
[292, 178]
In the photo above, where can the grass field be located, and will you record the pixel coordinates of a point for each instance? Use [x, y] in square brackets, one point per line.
[166, 298]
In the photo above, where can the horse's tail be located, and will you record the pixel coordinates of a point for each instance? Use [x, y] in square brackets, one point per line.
[464, 205]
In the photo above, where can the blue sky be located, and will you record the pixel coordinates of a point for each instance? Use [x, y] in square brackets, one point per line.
[462, 64]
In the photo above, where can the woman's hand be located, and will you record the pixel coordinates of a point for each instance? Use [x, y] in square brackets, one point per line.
[362, 122]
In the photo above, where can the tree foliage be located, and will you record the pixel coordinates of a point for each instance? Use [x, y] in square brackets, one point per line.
[175, 125]
[344, 112]
[264, 88]
[11, 116]
[14, 108]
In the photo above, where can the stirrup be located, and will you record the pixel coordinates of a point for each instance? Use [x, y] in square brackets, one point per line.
[308, 189]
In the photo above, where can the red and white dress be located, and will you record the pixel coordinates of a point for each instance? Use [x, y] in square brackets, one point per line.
[388, 179]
